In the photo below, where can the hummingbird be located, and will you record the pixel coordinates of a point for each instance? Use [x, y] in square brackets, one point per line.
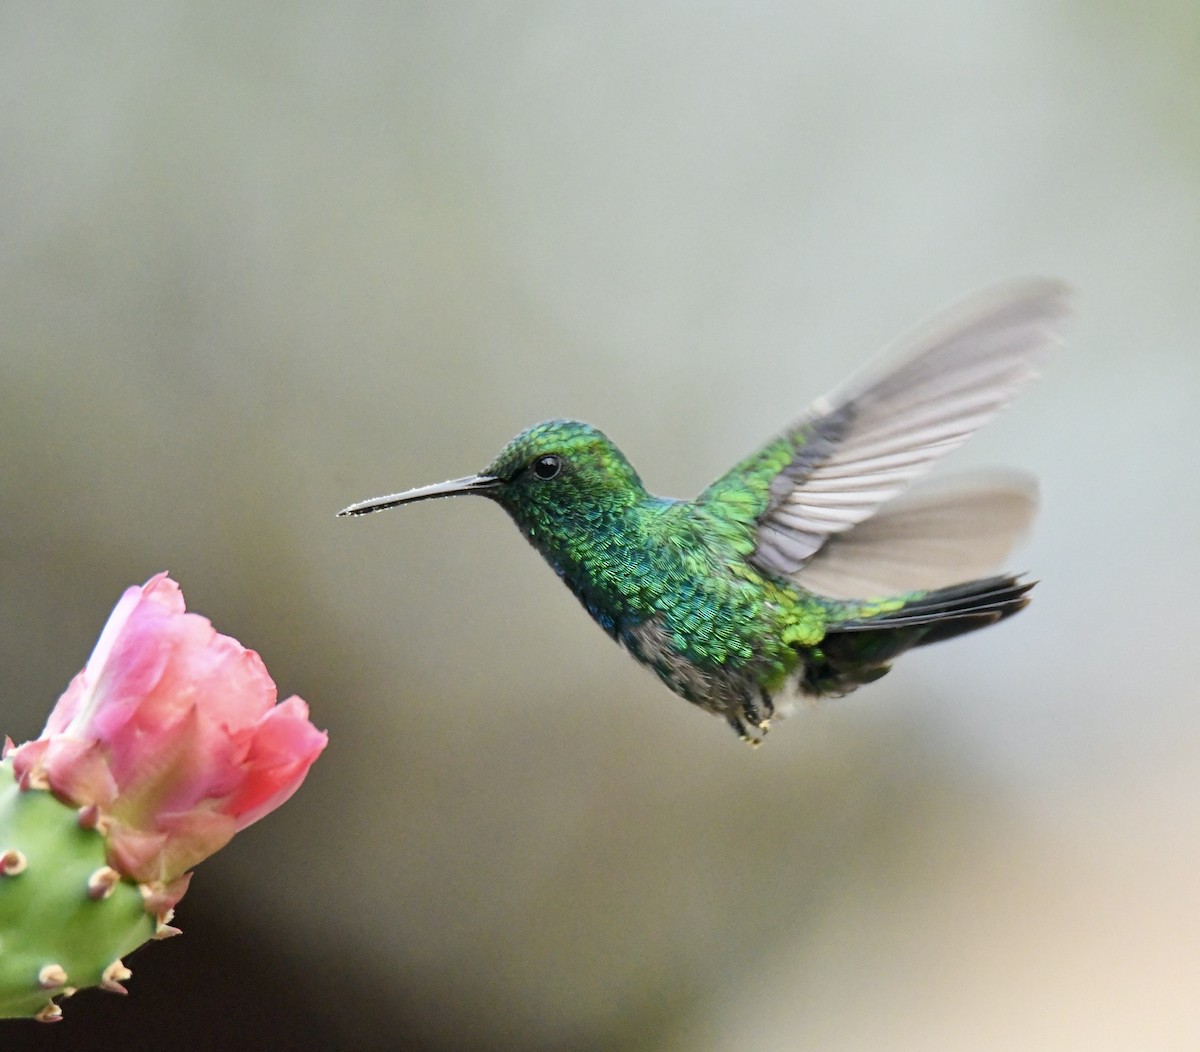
[810, 565]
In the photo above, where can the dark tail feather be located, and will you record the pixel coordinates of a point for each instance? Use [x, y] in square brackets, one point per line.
[857, 652]
[949, 612]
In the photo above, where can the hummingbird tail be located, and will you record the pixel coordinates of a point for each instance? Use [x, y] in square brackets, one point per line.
[859, 651]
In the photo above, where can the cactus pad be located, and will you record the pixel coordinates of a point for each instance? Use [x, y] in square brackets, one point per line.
[66, 918]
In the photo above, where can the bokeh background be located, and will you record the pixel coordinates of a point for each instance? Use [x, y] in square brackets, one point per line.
[259, 261]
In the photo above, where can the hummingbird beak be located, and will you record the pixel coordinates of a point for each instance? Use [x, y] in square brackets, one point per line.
[452, 488]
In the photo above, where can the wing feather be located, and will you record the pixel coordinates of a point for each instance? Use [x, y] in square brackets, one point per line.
[935, 535]
[865, 444]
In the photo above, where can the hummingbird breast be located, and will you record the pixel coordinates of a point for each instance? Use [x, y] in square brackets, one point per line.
[702, 619]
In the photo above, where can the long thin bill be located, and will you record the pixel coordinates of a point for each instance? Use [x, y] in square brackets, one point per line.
[451, 488]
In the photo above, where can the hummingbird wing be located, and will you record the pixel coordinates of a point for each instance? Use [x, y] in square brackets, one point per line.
[935, 535]
[864, 444]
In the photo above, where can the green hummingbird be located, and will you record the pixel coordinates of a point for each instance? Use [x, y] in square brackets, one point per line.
[803, 566]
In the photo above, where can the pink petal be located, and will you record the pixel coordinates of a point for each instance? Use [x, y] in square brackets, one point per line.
[135, 852]
[27, 760]
[285, 746]
[78, 772]
[172, 731]
[160, 897]
[190, 838]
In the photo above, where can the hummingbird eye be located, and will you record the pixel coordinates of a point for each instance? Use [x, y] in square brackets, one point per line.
[547, 467]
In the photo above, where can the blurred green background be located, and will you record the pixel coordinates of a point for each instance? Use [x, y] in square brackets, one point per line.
[259, 261]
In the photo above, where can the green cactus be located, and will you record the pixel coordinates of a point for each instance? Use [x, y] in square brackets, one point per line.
[66, 917]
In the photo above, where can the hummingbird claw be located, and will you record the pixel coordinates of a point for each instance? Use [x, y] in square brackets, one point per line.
[755, 713]
[754, 740]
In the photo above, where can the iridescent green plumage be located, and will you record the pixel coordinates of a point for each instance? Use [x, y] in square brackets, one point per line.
[786, 569]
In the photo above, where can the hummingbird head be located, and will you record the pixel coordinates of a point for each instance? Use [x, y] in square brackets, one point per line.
[559, 472]
[551, 478]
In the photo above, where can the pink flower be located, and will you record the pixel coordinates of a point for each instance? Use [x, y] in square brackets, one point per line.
[171, 731]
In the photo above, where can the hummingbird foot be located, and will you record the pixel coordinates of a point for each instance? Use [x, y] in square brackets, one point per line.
[753, 738]
[753, 719]
[755, 741]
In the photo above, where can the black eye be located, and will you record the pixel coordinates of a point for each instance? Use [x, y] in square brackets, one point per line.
[547, 467]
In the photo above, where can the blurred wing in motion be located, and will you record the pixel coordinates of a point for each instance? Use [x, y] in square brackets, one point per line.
[863, 445]
[936, 535]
